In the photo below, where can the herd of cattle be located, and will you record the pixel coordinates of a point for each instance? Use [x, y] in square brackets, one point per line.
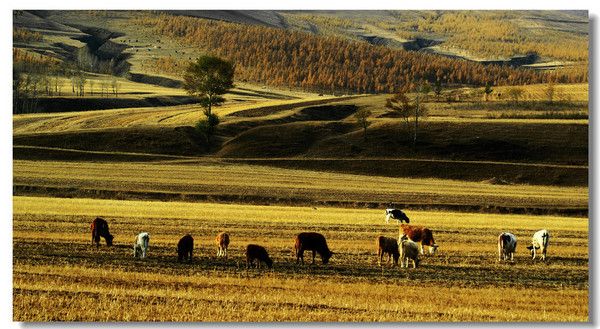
[407, 248]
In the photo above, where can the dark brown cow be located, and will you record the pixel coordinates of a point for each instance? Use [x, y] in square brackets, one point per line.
[258, 253]
[312, 241]
[387, 246]
[185, 248]
[419, 234]
[100, 229]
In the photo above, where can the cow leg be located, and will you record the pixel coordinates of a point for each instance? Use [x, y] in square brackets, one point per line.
[421, 245]
[314, 254]
[512, 254]
[379, 257]
[225, 252]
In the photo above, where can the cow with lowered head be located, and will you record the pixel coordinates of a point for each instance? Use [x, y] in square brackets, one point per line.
[185, 248]
[422, 235]
[314, 242]
[100, 229]
[396, 214]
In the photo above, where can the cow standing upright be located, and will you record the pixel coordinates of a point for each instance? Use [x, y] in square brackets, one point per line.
[539, 241]
[222, 241]
[396, 214]
[100, 229]
[507, 244]
[185, 248]
[387, 246]
[312, 241]
[140, 246]
[409, 251]
[419, 234]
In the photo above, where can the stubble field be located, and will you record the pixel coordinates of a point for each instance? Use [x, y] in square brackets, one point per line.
[59, 275]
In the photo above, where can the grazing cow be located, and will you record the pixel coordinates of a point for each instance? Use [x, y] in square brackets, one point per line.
[258, 253]
[222, 244]
[387, 246]
[100, 229]
[140, 246]
[409, 250]
[312, 241]
[422, 235]
[185, 248]
[396, 214]
[507, 243]
[540, 241]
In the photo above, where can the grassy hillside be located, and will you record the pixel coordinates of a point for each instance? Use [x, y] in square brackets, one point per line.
[234, 181]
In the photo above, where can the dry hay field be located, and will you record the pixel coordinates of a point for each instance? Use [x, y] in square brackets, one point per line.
[59, 275]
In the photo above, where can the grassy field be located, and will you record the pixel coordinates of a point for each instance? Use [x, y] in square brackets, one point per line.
[58, 275]
[193, 179]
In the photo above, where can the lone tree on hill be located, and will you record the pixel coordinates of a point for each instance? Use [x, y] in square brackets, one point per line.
[362, 118]
[488, 90]
[407, 109]
[208, 78]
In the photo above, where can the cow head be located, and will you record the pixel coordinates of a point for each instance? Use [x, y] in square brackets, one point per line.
[109, 240]
[403, 217]
[532, 249]
[404, 237]
[269, 262]
[326, 257]
[433, 249]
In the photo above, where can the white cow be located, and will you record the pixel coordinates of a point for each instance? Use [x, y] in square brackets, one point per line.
[539, 241]
[396, 214]
[409, 250]
[507, 243]
[140, 246]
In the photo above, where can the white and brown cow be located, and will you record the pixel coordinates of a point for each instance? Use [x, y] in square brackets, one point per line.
[140, 246]
[419, 234]
[507, 244]
[539, 241]
[409, 250]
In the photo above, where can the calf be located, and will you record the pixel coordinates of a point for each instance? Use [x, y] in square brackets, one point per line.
[409, 250]
[396, 214]
[222, 244]
[539, 241]
[422, 235]
[140, 246]
[312, 241]
[387, 246]
[100, 229]
[185, 248]
[258, 253]
[507, 243]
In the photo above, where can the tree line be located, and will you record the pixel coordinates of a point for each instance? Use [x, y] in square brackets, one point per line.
[329, 64]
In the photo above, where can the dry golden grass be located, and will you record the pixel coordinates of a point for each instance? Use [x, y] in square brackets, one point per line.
[58, 275]
[214, 177]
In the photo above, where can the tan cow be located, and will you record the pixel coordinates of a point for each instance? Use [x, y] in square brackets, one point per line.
[222, 241]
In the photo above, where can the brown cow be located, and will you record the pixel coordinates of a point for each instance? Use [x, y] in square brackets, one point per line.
[100, 229]
[312, 241]
[388, 246]
[422, 235]
[222, 241]
[185, 248]
[258, 253]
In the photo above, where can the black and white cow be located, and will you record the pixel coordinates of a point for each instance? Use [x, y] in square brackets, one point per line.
[396, 214]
